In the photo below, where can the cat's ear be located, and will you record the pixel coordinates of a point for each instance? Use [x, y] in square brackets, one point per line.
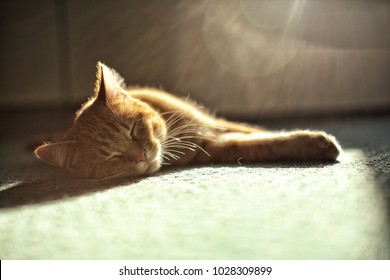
[57, 154]
[108, 84]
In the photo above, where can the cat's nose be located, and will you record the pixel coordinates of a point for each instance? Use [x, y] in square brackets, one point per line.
[141, 156]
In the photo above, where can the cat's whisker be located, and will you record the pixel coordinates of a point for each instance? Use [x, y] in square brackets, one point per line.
[168, 112]
[203, 150]
[174, 157]
[176, 137]
[170, 153]
[197, 137]
[178, 143]
[173, 140]
[189, 128]
[180, 139]
[165, 157]
[174, 120]
[187, 145]
[183, 146]
[194, 145]
[174, 114]
[178, 118]
[194, 135]
[190, 123]
[182, 131]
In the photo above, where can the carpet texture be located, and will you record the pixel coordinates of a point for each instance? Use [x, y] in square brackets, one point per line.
[261, 211]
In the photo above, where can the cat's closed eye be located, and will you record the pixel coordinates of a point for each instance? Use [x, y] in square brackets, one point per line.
[114, 157]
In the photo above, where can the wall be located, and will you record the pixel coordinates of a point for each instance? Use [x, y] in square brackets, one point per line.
[242, 58]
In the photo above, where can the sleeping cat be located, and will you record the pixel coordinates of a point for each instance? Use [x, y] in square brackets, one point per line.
[133, 132]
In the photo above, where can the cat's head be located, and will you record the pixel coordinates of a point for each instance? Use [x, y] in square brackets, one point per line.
[114, 134]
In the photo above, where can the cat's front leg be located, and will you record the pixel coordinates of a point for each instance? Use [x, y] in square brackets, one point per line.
[272, 146]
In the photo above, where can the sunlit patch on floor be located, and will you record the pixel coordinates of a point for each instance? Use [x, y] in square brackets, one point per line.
[262, 211]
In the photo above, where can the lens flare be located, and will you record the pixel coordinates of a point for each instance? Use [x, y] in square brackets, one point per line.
[252, 38]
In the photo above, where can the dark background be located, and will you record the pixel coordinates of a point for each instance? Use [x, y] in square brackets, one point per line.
[243, 59]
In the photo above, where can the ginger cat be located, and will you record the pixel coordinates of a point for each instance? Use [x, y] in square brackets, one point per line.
[132, 132]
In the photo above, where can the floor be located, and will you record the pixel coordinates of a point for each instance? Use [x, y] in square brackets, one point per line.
[261, 211]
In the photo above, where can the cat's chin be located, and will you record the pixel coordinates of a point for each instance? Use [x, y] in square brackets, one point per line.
[153, 167]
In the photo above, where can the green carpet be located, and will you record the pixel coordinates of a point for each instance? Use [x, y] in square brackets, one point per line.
[274, 211]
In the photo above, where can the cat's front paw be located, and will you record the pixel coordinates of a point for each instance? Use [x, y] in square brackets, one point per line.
[329, 146]
[319, 146]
